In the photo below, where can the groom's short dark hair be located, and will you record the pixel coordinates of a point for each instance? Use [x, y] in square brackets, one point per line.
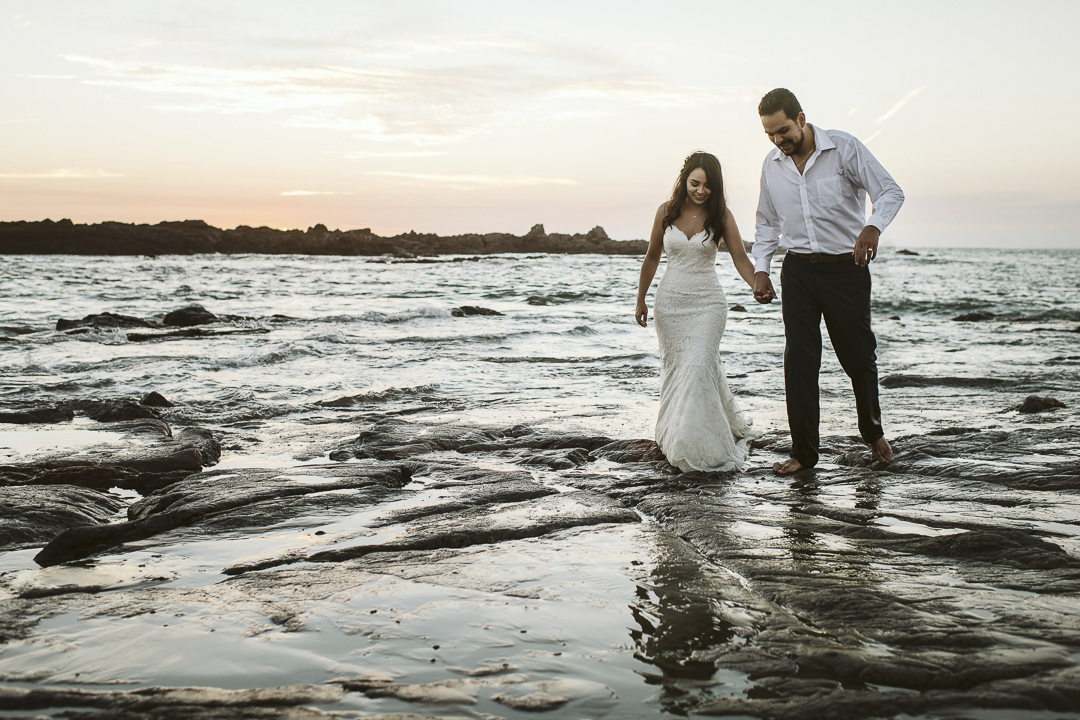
[777, 100]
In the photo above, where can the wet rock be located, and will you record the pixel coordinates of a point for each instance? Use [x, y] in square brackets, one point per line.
[538, 701]
[43, 416]
[101, 477]
[477, 526]
[738, 308]
[554, 459]
[37, 514]
[1028, 458]
[396, 439]
[468, 310]
[446, 692]
[904, 251]
[193, 332]
[894, 317]
[1036, 404]
[147, 446]
[199, 703]
[155, 399]
[974, 317]
[190, 315]
[227, 500]
[900, 381]
[106, 321]
[113, 410]
[629, 451]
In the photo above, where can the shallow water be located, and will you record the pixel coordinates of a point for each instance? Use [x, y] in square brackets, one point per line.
[367, 333]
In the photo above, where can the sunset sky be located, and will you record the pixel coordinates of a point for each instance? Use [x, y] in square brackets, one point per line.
[476, 116]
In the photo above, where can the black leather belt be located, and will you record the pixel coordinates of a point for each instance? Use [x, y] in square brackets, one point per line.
[822, 257]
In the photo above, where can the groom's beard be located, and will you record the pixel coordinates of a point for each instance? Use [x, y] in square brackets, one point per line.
[796, 145]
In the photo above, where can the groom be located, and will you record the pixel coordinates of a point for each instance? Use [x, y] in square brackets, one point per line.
[813, 194]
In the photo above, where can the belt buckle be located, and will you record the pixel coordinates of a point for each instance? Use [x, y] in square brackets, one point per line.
[816, 257]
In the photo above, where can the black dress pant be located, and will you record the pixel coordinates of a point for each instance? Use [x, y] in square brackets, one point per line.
[839, 292]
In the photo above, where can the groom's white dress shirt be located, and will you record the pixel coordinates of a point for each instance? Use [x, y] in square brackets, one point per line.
[822, 210]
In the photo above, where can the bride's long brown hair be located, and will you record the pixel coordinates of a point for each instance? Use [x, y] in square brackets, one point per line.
[715, 204]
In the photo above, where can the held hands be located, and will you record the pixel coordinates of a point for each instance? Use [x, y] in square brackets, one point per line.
[866, 245]
[763, 289]
[641, 313]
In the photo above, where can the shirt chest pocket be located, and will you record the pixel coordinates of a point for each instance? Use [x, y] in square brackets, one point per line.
[829, 191]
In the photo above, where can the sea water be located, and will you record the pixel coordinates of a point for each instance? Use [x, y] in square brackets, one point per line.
[364, 333]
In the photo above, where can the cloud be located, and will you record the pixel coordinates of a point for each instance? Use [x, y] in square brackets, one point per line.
[903, 101]
[295, 193]
[393, 154]
[469, 182]
[62, 174]
[422, 93]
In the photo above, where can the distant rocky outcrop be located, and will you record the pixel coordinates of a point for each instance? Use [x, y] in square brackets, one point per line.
[191, 237]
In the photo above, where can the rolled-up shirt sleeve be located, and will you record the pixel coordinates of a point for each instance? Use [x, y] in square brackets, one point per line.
[766, 230]
[863, 170]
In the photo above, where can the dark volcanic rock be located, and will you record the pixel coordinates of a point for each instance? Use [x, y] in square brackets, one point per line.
[190, 315]
[395, 439]
[160, 703]
[1035, 404]
[114, 410]
[106, 321]
[193, 332]
[974, 317]
[226, 500]
[41, 415]
[155, 399]
[478, 526]
[467, 310]
[37, 514]
[1044, 459]
[899, 381]
[195, 236]
[148, 446]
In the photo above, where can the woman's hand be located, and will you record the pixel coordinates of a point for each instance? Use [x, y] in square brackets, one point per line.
[641, 313]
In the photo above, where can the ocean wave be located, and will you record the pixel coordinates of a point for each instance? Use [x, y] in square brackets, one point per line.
[390, 394]
[563, 360]
[274, 357]
[391, 317]
[580, 331]
[336, 337]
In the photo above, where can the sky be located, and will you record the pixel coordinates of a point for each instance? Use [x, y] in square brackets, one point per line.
[492, 116]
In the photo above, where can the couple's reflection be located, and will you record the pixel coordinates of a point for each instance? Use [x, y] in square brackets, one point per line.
[677, 615]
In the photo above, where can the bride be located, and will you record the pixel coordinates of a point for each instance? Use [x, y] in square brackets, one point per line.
[700, 426]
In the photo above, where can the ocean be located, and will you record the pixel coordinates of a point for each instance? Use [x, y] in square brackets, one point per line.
[363, 334]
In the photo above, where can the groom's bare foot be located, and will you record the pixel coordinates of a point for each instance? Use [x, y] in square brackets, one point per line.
[880, 450]
[788, 467]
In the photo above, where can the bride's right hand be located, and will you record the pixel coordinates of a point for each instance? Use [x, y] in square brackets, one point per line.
[641, 314]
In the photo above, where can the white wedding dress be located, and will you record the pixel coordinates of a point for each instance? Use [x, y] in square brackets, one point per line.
[700, 426]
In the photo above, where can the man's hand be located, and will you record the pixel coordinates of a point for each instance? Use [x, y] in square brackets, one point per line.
[763, 289]
[866, 245]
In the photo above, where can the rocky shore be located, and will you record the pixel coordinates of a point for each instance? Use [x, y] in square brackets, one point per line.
[478, 561]
[191, 237]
